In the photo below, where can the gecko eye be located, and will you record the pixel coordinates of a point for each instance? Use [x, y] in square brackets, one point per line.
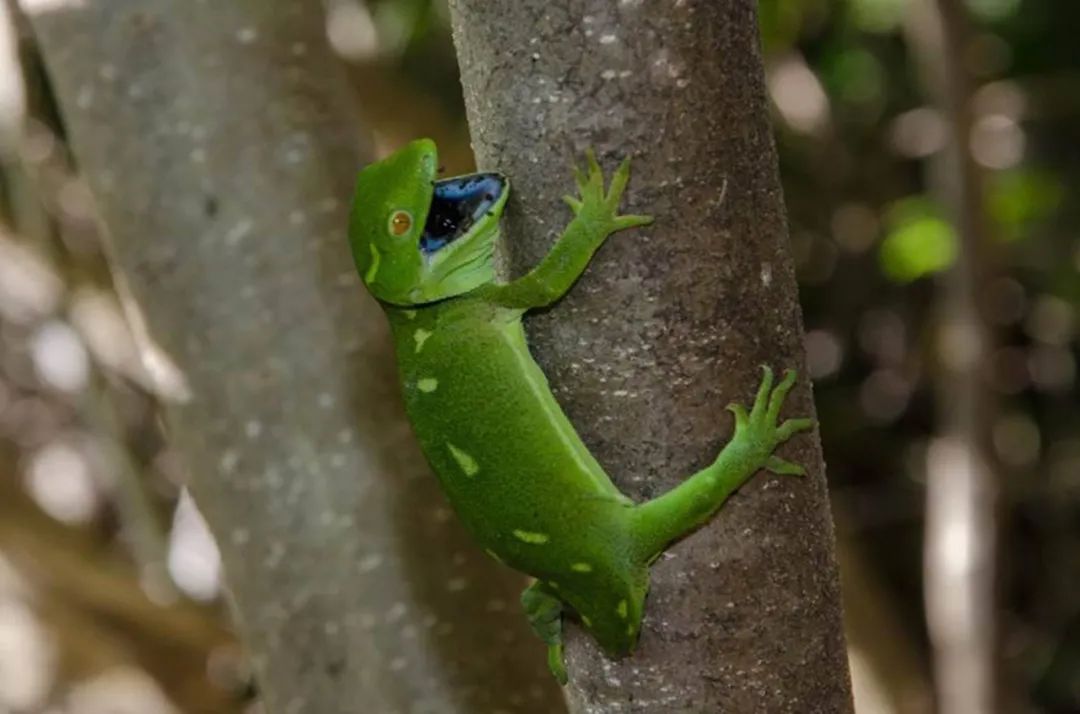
[400, 223]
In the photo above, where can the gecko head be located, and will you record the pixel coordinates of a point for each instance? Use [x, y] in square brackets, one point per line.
[416, 239]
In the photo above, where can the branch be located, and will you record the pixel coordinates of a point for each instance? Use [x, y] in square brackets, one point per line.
[961, 486]
[668, 325]
[220, 142]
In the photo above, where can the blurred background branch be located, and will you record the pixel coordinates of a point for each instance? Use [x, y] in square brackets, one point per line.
[961, 484]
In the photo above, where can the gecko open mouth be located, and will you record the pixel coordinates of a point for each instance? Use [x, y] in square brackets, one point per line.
[456, 205]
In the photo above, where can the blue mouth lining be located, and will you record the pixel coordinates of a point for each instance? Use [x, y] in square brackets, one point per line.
[456, 205]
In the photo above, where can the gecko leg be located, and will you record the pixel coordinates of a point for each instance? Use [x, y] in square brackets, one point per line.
[596, 216]
[544, 612]
[685, 507]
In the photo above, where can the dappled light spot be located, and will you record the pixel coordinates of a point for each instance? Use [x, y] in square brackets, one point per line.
[997, 141]
[1051, 320]
[882, 334]
[884, 395]
[34, 7]
[1052, 368]
[351, 30]
[60, 481]
[60, 357]
[959, 345]
[918, 133]
[855, 227]
[798, 95]
[824, 353]
[120, 690]
[27, 657]
[29, 287]
[194, 561]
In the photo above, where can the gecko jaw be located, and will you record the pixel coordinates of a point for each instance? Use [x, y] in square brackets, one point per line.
[457, 205]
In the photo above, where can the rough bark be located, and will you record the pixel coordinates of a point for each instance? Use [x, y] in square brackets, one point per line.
[669, 325]
[220, 143]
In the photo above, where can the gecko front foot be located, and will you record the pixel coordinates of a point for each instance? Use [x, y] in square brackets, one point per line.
[596, 206]
[758, 431]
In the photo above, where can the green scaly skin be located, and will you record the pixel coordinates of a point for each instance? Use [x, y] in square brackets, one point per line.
[512, 465]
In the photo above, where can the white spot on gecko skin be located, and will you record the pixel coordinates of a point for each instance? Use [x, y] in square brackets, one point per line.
[581, 568]
[373, 269]
[467, 463]
[410, 314]
[766, 274]
[421, 335]
[531, 537]
[427, 385]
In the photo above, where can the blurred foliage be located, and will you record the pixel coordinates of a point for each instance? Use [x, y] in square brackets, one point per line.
[919, 242]
[1017, 200]
[857, 133]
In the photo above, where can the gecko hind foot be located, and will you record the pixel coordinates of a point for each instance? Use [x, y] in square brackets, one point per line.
[544, 612]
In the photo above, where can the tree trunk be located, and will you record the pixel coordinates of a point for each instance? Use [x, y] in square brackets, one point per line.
[220, 143]
[669, 325]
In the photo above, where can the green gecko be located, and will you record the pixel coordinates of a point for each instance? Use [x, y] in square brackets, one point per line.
[512, 465]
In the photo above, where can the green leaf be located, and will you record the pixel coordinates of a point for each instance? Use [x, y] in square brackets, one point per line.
[881, 16]
[1016, 199]
[919, 242]
[856, 76]
[993, 10]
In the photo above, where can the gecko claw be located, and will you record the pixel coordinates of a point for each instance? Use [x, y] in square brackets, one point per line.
[782, 467]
